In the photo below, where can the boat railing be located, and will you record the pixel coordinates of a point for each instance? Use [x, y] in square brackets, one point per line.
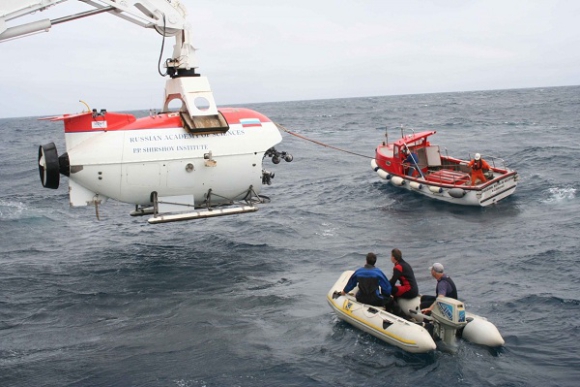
[403, 131]
[493, 161]
[402, 128]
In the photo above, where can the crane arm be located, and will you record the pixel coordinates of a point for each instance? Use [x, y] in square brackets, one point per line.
[167, 17]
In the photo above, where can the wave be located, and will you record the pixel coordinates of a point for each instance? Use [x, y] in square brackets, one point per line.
[12, 210]
[556, 195]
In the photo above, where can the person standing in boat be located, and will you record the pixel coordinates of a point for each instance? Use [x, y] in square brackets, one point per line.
[402, 272]
[410, 162]
[445, 288]
[478, 166]
[373, 286]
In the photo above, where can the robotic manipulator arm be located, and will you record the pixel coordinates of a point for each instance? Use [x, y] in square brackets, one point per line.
[167, 17]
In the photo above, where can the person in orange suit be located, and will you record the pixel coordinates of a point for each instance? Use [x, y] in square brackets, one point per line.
[478, 166]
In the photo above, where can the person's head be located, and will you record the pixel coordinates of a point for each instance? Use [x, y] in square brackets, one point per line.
[405, 150]
[477, 157]
[371, 259]
[396, 255]
[437, 270]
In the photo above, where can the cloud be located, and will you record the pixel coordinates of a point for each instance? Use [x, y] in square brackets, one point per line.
[271, 51]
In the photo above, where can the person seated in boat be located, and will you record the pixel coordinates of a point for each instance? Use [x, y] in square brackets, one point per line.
[402, 272]
[373, 286]
[411, 161]
[478, 167]
[445, 288]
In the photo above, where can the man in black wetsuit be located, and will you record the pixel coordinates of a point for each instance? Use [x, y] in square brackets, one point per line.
[445, 288]
[402, 272]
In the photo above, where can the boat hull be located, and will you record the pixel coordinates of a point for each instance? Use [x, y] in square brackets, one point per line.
[481, 195]
[409, 335]
[481, 331]
[478, 330]
[377, 322]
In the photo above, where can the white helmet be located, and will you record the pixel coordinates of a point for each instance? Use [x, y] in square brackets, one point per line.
[477, 156]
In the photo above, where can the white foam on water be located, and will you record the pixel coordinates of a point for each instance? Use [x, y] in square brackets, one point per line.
[10, 210]
[557, 195]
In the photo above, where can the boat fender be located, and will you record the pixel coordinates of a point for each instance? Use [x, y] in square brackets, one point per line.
[383, 174]
[415, 185]
[434, 189]
[396, 180]
[457, 193]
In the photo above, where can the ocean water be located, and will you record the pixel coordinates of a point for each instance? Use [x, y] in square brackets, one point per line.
[241, 300]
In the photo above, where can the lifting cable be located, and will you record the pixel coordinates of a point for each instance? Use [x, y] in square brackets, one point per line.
[321, 143]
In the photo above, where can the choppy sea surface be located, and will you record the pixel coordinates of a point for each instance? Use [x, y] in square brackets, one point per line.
[241, 300]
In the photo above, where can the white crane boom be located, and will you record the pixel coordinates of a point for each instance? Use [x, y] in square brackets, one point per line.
[167, 17]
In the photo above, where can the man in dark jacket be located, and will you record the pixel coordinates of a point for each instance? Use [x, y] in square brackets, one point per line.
[374, 288]
[403, 272]
[445, 288]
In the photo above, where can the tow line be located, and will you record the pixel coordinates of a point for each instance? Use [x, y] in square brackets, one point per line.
[321, 143]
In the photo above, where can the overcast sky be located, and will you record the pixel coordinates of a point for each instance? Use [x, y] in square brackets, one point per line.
[276, 50]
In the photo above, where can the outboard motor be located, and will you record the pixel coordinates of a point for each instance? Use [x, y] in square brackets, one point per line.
[448, 319]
